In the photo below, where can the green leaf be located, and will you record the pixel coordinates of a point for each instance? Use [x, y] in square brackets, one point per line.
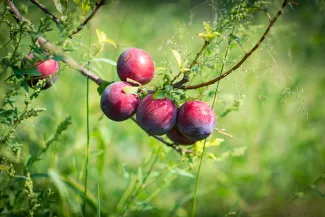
[182, 172]
[212, 156]
[126, 173]
[177, 57]
[60, 185]
[102, 87]
[207, 27]
[214, 142]
[105, 60]
[33, 72]
[61, 5]
[168, 88]
[58, 57]
[76, 1]
[97, 153]
[140, 175]
[131, 81]
[85, 6]
[214, 34]
[160, 94]
[234, 37]
[130, 90]
[102, 38]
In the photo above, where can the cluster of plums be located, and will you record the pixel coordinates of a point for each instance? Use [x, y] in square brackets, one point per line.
[193, 121]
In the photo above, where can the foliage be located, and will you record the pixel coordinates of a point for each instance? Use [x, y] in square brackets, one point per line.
[269, 115]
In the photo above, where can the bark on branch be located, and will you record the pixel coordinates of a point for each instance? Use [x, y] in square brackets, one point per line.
[44, 9]
[247, 55]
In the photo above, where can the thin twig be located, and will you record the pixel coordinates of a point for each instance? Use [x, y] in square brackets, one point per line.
[175, 147]
[44, 9]
[97, 6]
[69, 61]
[247, 55]
[17, 14]
[54, 50]
[73, 64]
[194, 62]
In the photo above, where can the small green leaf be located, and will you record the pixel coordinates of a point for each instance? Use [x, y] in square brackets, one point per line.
[110, 41]
[214, 142]
[129, 80]
[140, 176]
[234, 37]
[203, 35]
[130, 90]
[207, 27]
[126, 174]
[182, 172]
[58, 57]
[102, 87]
[76, 1]
[212, 156]
[33, 72]
[105, 60]
[102, 38]
[85, 6]
[160, 94]
[177, 57]
[168, 88]
[60, 185]
[214, 34]
[58, 6]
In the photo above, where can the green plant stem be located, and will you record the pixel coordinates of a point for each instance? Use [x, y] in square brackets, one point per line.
[87, 151]
[88, 134]
[197, 180]
[213, 103]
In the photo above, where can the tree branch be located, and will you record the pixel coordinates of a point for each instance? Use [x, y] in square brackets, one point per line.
[175, 147]
[69, 61]
[44, 9]
[247, 55]
[73, 64]
[16, 13]
[97, 6]
[54, 50]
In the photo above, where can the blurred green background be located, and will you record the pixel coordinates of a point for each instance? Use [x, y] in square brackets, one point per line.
[278, 145]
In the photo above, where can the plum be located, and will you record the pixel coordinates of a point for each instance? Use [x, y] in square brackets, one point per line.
[116, 104]
[156, 117]
[46, 68]
[135, 64]
[196, 120]
[178, 138]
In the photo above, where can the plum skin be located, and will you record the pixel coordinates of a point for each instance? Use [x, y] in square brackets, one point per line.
[46, 68]
[196, 120]
[156, 117]
[135, 64]
[177, 137]
[116, 104]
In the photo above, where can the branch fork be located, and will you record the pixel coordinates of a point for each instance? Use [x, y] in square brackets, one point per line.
[179, 85]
